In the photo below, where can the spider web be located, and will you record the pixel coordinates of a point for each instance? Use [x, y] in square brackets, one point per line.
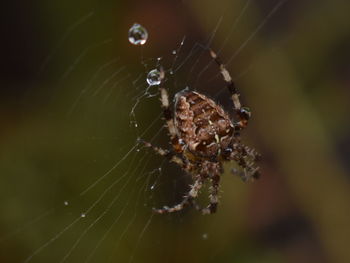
[97, 185]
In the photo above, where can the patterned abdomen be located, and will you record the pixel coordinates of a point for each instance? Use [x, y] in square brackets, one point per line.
[202, 124]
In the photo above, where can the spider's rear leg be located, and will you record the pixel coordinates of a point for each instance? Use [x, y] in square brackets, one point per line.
[243, 113]
[187, 200]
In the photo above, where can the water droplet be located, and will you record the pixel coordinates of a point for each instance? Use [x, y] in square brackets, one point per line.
[153, 77]
[135, 125]
[171, 72]
[65, 203]
[205, 236]
[137, 35]
[83, 215]
[137, 150]
[174, 52]
[152, 187]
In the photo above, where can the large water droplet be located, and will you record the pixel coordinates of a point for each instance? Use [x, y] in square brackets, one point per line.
[153, 77]
[137, 35]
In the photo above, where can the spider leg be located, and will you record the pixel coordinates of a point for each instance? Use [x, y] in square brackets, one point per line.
[243, 113]
[252, 153]
[247, 160]
[251, 156]
[187, 200]
[214, 196]
[164, 99]
[166, 153]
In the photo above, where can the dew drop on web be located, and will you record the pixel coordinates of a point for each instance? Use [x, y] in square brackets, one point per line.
[137, 35]
[153, 77]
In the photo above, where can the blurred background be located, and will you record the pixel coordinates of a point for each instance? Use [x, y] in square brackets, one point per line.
[75, 186]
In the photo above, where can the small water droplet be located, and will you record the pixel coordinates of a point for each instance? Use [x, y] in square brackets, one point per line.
[159, 58]
[152, 187]
[153, 77]
[205, 236]
[136, 125]
[137, 150]
[174, 52]
[83, 215]
[65, 203]
[137, 35]
[171, 72]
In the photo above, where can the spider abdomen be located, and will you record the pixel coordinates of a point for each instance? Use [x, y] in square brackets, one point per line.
[202, 124]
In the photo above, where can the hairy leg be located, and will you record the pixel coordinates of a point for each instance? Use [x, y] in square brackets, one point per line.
[164, 99]
[187, 200]
[243, 113]
[166, 153]
[214, 196]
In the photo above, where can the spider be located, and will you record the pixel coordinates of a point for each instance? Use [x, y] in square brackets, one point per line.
[203, 136]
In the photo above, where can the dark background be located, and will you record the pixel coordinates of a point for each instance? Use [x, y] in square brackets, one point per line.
[60, 131]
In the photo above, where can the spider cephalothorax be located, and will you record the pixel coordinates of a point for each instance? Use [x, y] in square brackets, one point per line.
[203, 137]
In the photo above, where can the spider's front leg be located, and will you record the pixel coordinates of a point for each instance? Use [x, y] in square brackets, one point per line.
[243, 113]
[164, 99]
[165, 153]
[214, 195]
[212, 172]
[187, 200]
